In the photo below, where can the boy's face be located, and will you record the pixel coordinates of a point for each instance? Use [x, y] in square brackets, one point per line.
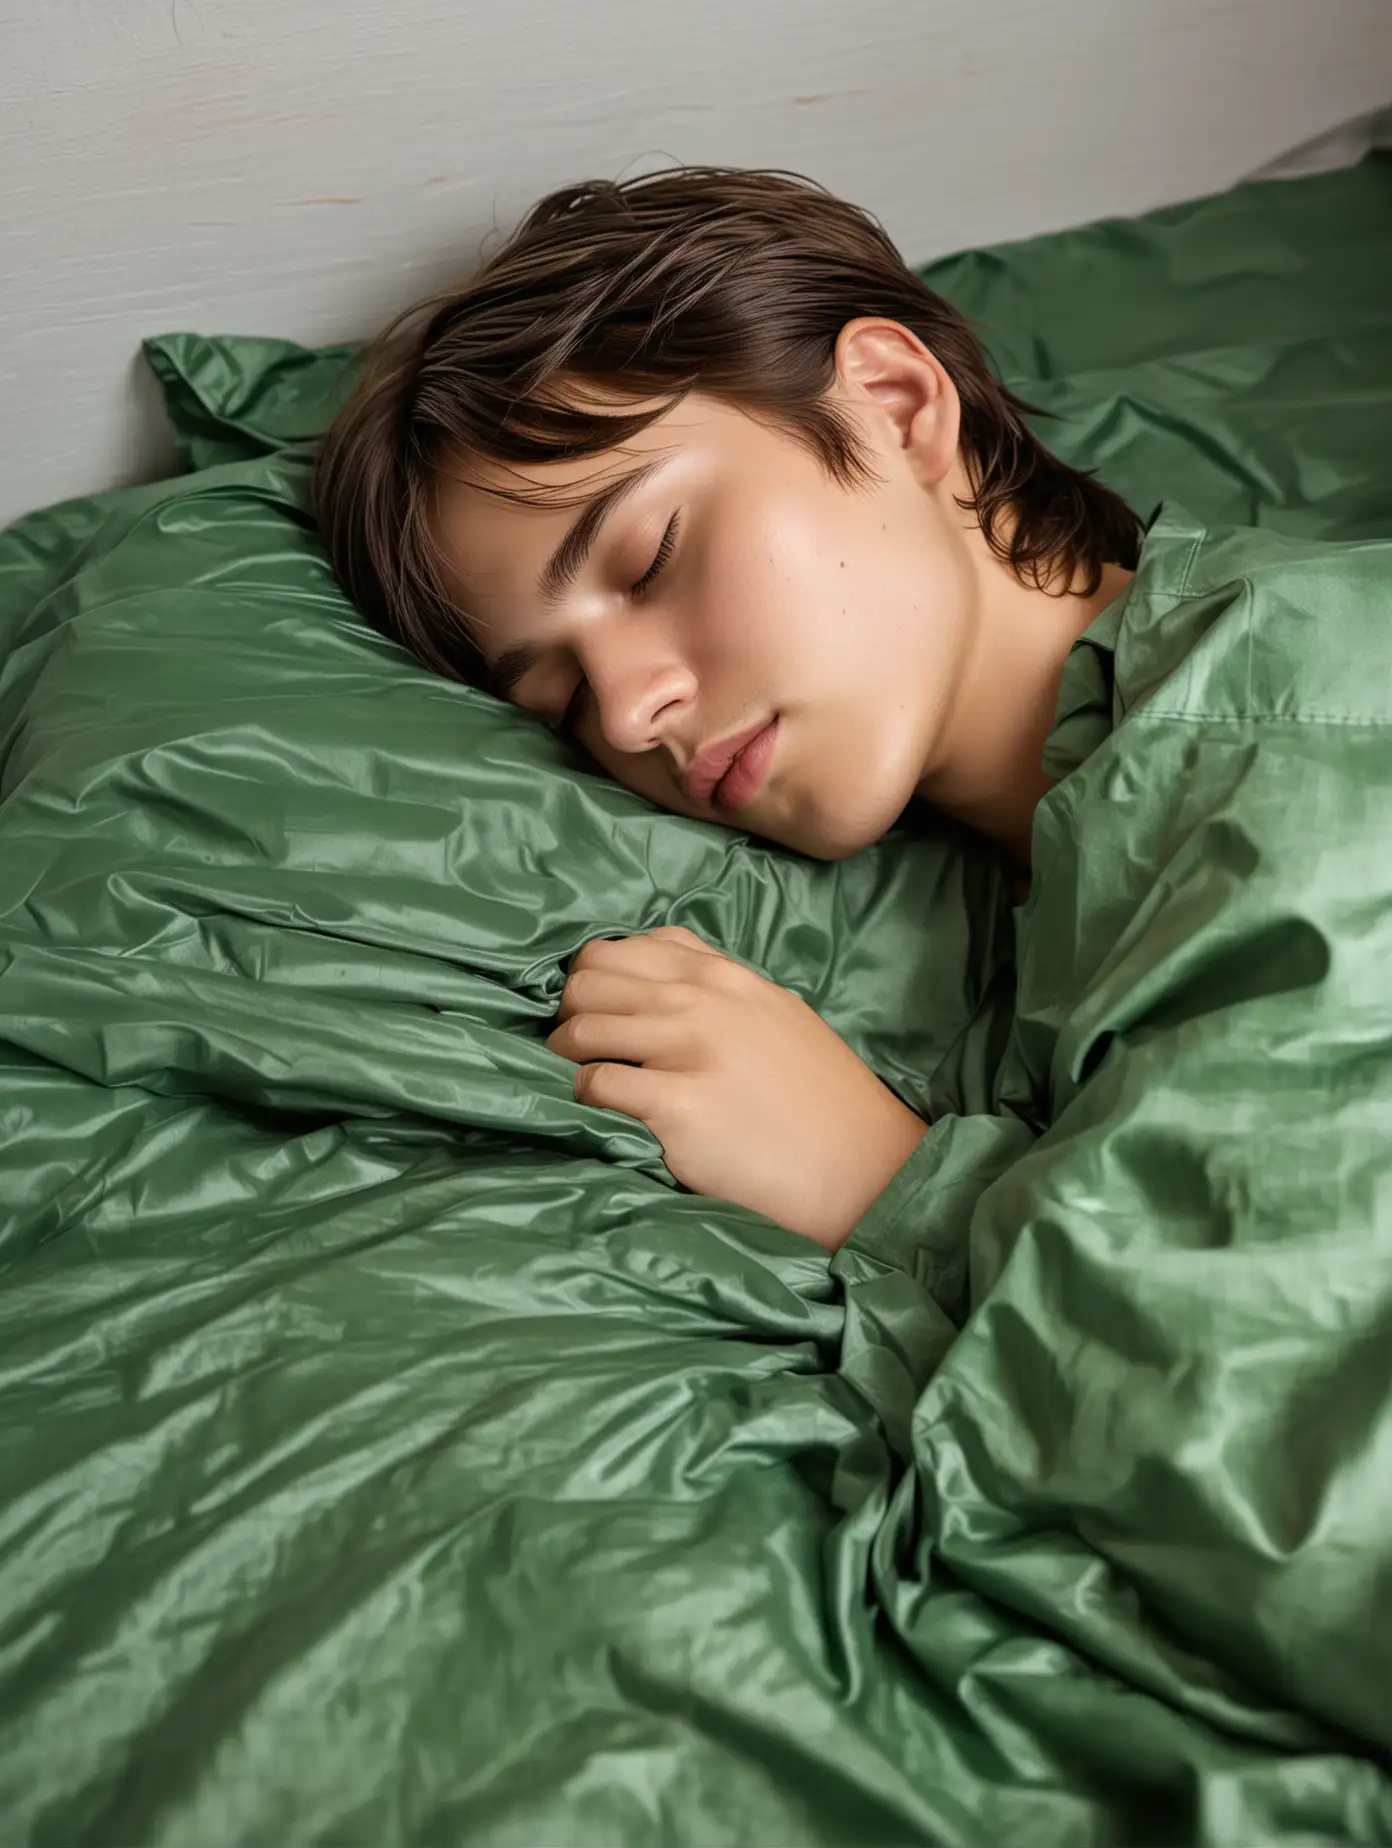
[833, 624]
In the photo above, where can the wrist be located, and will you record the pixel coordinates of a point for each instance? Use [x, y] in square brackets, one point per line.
[884, 1147]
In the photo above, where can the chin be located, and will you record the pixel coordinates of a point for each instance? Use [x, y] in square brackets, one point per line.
[823, 835]
[844, 848]
[862, 791]
[846, 831]
[841, 851]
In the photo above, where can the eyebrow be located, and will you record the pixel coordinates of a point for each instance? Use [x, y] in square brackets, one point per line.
[564, 566]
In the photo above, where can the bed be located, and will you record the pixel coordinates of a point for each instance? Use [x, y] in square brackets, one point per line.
[389, 1451]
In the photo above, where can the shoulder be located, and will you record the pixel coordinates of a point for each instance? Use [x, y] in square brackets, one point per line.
[1242, 623]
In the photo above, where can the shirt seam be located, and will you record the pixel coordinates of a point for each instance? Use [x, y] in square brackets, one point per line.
[1314, 716]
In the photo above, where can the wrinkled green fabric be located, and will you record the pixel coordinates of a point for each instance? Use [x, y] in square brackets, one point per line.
[1176, 1393]
[230, 400]
[390, 1453]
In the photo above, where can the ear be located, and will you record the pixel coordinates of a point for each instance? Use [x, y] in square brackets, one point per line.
[886, 370]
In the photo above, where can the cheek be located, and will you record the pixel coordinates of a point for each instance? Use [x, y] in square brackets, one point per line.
[646, 774]
[771, 596]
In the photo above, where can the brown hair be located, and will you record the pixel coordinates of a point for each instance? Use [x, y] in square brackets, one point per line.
[735, 282]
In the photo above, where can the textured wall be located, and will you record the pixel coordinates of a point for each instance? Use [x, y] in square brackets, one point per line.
[303, 167]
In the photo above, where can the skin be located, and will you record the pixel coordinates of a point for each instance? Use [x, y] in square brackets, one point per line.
[903, 660]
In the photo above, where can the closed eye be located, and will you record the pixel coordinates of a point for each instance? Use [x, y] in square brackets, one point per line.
[664, 552]
[575, 706]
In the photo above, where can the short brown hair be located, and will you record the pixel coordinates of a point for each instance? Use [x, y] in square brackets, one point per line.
[734, 282]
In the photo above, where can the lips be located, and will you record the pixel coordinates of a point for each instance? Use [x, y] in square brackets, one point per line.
[730, 772]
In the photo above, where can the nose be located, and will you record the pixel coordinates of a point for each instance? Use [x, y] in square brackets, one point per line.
[642, 692]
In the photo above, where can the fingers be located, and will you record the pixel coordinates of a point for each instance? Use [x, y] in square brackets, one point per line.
[659, 955]
[630, 1089]
[593, 990]
[637, 1004]
[679, 934]
[638, 1039]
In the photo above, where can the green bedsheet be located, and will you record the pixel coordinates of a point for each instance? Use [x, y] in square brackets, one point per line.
[390, 1453]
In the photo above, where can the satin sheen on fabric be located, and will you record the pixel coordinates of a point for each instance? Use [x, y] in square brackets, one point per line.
[390, 1453]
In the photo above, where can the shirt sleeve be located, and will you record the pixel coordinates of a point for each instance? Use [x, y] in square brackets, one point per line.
[905, 1270]
[920, 1225]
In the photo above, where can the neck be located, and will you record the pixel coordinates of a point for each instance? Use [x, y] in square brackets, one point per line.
[986, 771]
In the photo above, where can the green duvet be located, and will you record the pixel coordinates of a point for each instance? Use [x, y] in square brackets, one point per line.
[391, 1453]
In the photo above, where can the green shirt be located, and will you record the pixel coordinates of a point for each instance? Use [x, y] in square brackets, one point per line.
[1151, 1313]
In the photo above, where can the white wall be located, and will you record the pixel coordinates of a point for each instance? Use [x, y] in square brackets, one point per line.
[304, 167]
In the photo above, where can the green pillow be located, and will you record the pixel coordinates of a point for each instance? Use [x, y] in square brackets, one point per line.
[229, 400]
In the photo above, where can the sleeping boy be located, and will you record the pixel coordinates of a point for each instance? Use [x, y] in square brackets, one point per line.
[699, 472]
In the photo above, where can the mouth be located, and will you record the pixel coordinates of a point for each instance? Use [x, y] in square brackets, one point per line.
[730, 773]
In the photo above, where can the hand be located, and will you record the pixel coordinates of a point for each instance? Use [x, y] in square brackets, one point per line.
[752, 1096]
